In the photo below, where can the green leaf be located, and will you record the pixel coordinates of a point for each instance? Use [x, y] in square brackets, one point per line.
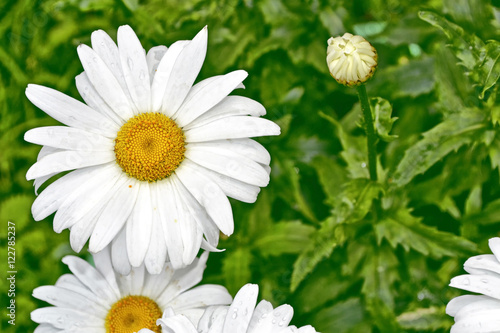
[321, 244]
[355, 201]
[425, 319]
[355, 151]
[408, 231]
[468, 48]
[284, 237]
[490, 66]
[453, 133]
[380, 272]
[489, 215]
[382, 110]
[409, 80]
[331, 174]
[236, 268]
[343, 317]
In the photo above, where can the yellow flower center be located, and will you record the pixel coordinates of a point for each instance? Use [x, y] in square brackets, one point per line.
[133, 313]
[149, 146]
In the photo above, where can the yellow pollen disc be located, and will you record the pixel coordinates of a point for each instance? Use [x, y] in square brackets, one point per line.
[149, 146]
[133, 313]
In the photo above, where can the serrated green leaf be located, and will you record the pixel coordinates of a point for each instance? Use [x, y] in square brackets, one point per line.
[284, 237]
[489, 215]
[379, 272]
[343, 317]
[236, 268]
[425, 319]
[382, 111]
[331, 175]
[355, 201]
[409, 80]
[490, 66]
[474, 201]
[453, 133]
[354, 149]
[468, 47]
[408, 231]
[321, 244]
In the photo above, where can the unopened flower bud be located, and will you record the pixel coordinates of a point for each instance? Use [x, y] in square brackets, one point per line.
[351, 59]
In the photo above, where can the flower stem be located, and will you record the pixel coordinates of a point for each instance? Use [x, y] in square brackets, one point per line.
[370, 132]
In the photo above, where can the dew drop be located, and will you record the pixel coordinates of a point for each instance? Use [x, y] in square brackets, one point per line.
[484, 281]
[363, 165]
[94, 59]
[60, 320]
[142, 75]
[466, 281]
[274, 321]
[130, 63]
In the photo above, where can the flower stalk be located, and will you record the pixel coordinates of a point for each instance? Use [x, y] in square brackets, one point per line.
[371, 137]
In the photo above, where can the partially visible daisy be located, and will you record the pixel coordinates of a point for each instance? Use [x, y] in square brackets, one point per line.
[351, 59]
[241, 317]
[100, 300]
[155, 157]
[478, 313]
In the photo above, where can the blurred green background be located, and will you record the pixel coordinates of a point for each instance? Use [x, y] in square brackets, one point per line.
[348, 254]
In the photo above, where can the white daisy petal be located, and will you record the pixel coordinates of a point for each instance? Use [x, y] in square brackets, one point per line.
[280, 317]
[107, 50]
[134, 67]
[89, 276]
[80, 201]
[55, 194]
[232, 128]
[46, 328]
[201, 296]
[162, 76]
[190, 232]
[229, 107]
[478, 313]
[213, 319]
[139, 225]
[103, 264]
[153, 58]
[65, 318]
[119, 254]
[246, 147]
[184, 73]
[68, 138]
[232, 188]
[157, 251]
[68, 160]
[169, 217]
[241, 310]
[209, 195]
[85, 302]
[69, 111]
[105, 82]
[228, 163]
[165, 155]
[205, 95]
[184, 279]
[113, 216]
[94, 100]
[66, 298]
[177, 324]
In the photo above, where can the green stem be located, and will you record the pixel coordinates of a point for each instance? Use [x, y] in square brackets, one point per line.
[370, 132]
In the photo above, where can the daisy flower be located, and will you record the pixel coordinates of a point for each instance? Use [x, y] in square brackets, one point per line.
[478, 313]
[241, 317]
[351, 59]
[100, 300]
[155, 157]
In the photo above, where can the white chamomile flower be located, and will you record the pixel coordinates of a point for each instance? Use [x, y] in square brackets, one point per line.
[100, 300]
[242, 317]
[478, 313]
[155, 157]
[351, 59]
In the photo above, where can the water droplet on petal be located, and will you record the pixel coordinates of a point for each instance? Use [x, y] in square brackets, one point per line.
[484, 280]
[466, 281]
[130, 63]
[142, 76]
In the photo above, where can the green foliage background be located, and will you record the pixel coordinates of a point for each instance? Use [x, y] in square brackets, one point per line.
[350, 255]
